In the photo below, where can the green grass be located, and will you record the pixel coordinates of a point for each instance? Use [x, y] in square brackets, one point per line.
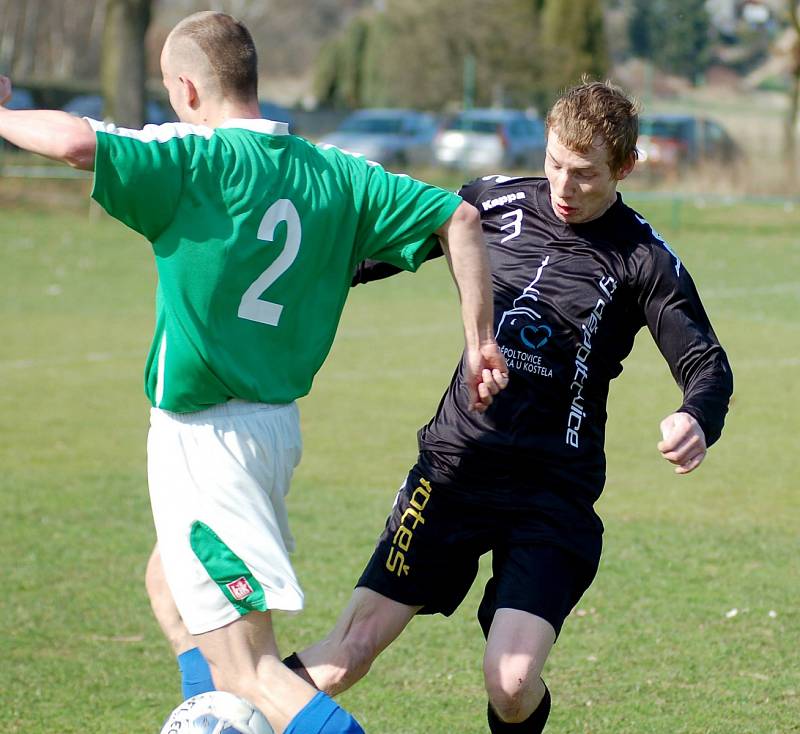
[652, 648]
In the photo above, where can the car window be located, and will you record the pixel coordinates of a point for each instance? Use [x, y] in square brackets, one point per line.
[471, 124]
[381, 125]
[519, 128]
[411, 125]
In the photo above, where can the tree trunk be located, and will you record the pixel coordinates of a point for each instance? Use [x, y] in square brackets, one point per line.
[793, 113]
[123, 61]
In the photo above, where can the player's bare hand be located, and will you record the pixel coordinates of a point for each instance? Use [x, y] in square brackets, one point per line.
[487, 375]
[5, 89]
[683, 442]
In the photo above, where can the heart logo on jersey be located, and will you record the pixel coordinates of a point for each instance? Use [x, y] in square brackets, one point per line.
[535, 337]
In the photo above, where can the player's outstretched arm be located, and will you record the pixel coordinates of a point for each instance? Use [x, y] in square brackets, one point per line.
[51, 133]
[462, 242]
[683, 442]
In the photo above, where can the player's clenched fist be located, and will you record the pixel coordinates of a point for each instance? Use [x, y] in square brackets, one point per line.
[683, 442]
[489, 373]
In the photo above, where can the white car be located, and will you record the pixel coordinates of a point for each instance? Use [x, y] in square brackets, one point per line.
[395, 138]
[491, 139]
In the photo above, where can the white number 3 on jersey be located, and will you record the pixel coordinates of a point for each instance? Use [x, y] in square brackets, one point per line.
[515, 225]
[252, 307]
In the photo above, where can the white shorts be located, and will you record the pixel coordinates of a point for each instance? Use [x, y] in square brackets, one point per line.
[218, 481]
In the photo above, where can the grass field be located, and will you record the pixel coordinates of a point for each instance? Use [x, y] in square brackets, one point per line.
[655, 646]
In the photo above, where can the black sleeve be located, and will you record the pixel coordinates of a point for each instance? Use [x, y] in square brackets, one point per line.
[369, 270]
[681, 329]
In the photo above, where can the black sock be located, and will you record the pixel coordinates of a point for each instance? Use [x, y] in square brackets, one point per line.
[534, 724]
[294, 664]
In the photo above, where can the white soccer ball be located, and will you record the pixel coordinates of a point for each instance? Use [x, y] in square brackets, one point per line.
[216, 712]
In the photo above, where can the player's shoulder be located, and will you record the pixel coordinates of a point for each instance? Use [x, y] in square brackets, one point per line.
[342, 157]
[647, 244]
[488, 192]
[162, 133]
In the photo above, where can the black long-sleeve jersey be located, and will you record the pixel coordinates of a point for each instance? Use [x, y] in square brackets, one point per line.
[568, 301]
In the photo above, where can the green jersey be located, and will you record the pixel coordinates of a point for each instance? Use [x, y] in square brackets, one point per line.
[256, 235]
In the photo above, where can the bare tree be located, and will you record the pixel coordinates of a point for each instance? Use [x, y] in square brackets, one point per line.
[64, 47]
[123, 62]
[50, 43]
[793, 115]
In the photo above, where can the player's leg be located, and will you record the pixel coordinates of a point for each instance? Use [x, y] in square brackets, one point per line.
[195, 673]
[244, 658]
[516, 651]
[218, 482]
[533, 589]
[163, 606]
[366, 627]
[425, 560]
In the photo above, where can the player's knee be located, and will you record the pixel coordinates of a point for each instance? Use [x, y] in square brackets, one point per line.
[514, 692]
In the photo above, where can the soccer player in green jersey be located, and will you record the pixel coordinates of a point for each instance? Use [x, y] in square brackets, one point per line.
[256, 234]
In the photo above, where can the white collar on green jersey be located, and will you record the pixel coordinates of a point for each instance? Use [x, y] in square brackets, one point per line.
[162, 133]
[258, 126]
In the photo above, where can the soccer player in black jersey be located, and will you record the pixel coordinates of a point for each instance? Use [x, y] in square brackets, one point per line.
[576, 274]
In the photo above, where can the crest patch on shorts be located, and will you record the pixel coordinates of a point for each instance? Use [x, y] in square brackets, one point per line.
[240, 588]
[229, 572]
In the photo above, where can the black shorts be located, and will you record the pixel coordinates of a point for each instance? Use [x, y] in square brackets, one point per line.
[428, 556]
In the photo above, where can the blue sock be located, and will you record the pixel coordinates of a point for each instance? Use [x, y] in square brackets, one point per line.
[195, 674]
[322, 715]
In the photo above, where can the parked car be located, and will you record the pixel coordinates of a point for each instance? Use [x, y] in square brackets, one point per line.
[670, 142]
[91, 105]
[491, 138]
[391, 137]
[21, 99]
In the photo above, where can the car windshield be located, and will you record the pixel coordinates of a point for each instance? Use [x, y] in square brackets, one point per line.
[471, 124]
[381, 125]
[662, 128]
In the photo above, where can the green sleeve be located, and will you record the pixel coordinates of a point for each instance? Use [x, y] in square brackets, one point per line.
[139, 181]
[399, 217]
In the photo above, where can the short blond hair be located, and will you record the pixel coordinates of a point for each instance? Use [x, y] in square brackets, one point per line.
[595, 110]
[229, 50]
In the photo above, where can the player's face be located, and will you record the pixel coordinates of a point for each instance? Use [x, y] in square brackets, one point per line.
[582, 186]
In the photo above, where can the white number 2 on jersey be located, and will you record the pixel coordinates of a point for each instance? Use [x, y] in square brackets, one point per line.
[252, 307]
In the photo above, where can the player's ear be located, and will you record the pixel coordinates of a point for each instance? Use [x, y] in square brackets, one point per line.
[626, 167]
[190, 95]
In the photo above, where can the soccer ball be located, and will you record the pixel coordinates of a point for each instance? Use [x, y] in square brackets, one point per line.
[216, 712]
